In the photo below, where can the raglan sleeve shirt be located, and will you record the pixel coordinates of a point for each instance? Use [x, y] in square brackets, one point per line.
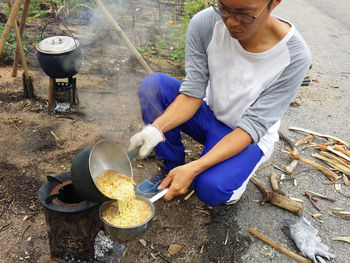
[244, 89]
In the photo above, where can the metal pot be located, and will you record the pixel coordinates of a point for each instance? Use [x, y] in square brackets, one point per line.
[59, 56]
[92, 161]
[127, 233]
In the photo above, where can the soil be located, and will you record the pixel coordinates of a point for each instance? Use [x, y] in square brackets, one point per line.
[35, 144]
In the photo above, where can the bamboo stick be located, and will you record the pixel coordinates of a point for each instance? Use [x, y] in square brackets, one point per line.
[19, 46]
[10, 23]
[21, 29]
[123, 35]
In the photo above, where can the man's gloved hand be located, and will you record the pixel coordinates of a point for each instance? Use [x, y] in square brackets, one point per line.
[148, 138]
[306, 239]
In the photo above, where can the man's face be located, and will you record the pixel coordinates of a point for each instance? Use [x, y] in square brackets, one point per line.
[237, 29]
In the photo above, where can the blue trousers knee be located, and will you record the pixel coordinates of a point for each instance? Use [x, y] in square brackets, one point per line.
[217, 184]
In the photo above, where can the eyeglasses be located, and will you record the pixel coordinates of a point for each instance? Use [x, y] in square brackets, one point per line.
[243, 18]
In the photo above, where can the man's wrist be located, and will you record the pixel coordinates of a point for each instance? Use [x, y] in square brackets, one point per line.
[159, 130]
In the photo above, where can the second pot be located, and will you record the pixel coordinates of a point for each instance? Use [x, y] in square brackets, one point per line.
[92, 161]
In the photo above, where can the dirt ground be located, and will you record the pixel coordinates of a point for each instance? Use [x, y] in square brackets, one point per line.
[107, 87]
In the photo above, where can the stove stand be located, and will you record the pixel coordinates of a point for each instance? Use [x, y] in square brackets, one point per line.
[63, 95]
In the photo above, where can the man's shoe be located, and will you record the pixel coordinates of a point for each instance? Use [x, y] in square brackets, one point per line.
[149, 187]
[233, 202]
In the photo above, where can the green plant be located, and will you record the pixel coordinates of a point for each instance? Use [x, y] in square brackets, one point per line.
[171, 42]
[177, 34]
[146, 49]
[35, 11]
[10, 44]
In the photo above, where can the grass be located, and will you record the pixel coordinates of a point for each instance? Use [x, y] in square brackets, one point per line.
[170, 43]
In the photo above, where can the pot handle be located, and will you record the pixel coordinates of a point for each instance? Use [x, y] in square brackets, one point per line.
[158, 195]
[70, 32]
[131, 154]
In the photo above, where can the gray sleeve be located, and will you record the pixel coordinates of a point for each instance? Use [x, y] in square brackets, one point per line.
[274, 100]
[199, 34]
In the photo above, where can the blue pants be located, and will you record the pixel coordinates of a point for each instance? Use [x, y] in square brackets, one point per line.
[223, 182]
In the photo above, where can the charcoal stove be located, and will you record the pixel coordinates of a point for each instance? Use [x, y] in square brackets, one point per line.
[63, 95]
[72, 223]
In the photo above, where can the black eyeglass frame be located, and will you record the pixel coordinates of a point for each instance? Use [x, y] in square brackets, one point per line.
[237, 15]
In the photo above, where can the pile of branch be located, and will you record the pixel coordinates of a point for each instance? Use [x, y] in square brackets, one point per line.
[336, 154]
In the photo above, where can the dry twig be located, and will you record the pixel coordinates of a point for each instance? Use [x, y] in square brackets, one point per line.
[24, 233]
[340, 215]
[321, 196]
[305, 140]
[311, 201]
[274, 184]
[345, 239]
[331, 175]
[320, 135]
[266, 165]
[277, 199]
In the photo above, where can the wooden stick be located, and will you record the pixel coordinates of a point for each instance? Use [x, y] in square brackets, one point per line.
[278, 200]
[337, 214]
[10, 23]
[274, 184]
[122, 34]
[305, 140]
[19, 45]
[50, 95]
[342, 150]
[336, 164]
[320, 145]
[339, 151]
[345, 239]
[266, 165]
[21, 29]
[331, 175]
[320, 135]
[336, 158]
[189, 195]
[278, 247]
[290, 168]
[311, 201]
[321, 196]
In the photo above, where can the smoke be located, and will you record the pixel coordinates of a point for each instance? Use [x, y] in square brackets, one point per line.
[110, 75]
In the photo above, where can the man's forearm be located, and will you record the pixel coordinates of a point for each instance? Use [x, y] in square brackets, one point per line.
[178, 112]
[230, 145]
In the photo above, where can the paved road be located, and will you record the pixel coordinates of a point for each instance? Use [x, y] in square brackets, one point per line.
[324, 107]
[338, 10]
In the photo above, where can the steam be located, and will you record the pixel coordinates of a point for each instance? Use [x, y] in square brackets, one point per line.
[109, 79]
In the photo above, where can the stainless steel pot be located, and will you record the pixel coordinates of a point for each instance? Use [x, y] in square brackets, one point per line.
[118, 233]
[92, 161]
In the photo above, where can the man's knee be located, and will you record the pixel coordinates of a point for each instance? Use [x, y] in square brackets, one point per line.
[210, 192]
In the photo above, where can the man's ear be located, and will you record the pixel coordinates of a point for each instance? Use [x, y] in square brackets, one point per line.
[275, 3]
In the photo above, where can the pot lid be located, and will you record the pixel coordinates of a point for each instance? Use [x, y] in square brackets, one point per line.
[57, 45]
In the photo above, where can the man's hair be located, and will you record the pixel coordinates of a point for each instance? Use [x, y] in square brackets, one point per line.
[269, 4]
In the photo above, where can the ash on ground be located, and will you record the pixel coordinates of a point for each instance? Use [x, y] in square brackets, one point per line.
[106, 250]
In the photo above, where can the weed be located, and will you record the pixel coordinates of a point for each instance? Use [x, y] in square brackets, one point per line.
[10, 44]
[171, 42]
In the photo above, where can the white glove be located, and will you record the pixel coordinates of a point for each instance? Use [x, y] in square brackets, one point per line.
[148, 138]
[306, 239]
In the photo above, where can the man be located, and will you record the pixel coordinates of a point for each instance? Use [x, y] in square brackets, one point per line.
[243, 68]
